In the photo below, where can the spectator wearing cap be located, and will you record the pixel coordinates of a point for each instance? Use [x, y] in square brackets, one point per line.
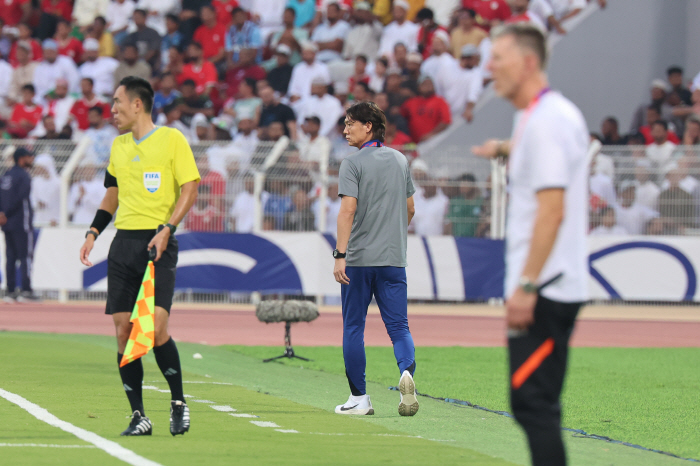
[279, 76]
[100, 69]
[119, 13]
[400, 30]
[243, 34]
[16, 219]
[305, 11]
[427, 114]
[197, 69]
[363, 38]
[652, 116]
[101, 137]
[467, 84]
[291, 37]
[25, 36]
[173, 38]
[305, 72]
[246, 68]
[58, 104]
[428, 27]
[88, 100]
[166, 94]
[275, 111]
[194, 103]
[23, 72]
[104, 38]
[661, 149]
[321, 104]
[68, 45]
[674, 74]
[14, 12]
[330, 35]
[85, 12]
[53, 68]
[441, 65]
[146, 40]
[211, 35]
[466, 32]
[131, 65]
[25, 114]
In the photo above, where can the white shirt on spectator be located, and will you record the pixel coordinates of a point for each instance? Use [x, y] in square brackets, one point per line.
[270, 13]
[442, 10]
[429, 219]
[5, 78]
[562, 7]
[363, 39]
[46, 192]
[119, 14]
[243, 211]
[302, 76]
[85, 11]
[634, 218]
[84, 208]
[660, 153]
[332, 211]
[539, 11]
[162, 8]
[60, 109]
[394, 33]
[325, 32]
[244, 146]
[46, 75]
[688, 184]
[485, 52]
[603, 230]
[313, 151]
[441, 69]
[602, 186]
[327, 108]
[101, 72]
[647, 193]
[465, 87]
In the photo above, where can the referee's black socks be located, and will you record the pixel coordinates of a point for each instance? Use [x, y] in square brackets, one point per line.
[168, 360]
[132, 378]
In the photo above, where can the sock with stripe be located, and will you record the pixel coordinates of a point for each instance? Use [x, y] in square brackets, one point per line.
[168, 360]
[132, 379]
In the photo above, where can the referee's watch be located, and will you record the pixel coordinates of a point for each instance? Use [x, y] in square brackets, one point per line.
[338, 255]
[172, 227]
[528, 285]
[91, 232]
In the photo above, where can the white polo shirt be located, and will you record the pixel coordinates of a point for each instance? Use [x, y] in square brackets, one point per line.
[549, 150]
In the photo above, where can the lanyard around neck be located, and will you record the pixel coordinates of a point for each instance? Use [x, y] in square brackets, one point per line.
[372, 143]
[517, 134]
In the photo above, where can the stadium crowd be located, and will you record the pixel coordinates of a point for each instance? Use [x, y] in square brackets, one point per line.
[248, 72]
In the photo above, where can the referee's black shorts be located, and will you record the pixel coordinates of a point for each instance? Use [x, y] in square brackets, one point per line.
[126, 265]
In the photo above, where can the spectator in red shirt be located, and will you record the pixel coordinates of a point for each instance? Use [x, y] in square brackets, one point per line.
[224, 8]
[202, 72]
[67, 44]
[490, 13]
[214, 181]
[51, 12]
[14, 12]
[25, 115]
[246, 68]
[211, 34]
[654, 115]
[80, 109]
[427, 114]
[25, 34]
[425, 18]
[203, 216]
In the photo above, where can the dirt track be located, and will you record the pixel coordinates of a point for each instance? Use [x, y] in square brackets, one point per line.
[621, 326]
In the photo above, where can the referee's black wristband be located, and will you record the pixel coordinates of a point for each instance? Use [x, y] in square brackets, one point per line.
[102, 219]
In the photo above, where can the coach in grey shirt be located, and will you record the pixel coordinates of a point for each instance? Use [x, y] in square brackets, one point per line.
[370, 257]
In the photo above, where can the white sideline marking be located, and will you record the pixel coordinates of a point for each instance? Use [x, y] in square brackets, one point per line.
[264, 424]
[149, 387]
[222, 408]
[242, 415]
[287, 431]
[44, 445]
[210, 383]
[108, 446]
[203, 401]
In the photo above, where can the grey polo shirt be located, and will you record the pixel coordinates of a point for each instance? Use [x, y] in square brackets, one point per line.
[380, 179]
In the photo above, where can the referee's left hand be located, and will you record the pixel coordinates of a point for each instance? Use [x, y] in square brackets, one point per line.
[160, 242]
[339, 272]
[520, 309]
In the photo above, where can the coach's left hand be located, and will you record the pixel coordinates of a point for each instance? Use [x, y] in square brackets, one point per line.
[160, 242]
[339, 272]
[520, 309]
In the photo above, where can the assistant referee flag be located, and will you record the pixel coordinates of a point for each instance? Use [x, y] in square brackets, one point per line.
[142, 337]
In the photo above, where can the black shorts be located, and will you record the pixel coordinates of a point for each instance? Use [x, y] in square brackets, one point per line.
[126, 265]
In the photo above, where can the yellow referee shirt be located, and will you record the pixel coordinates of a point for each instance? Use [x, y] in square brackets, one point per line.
[149, 175]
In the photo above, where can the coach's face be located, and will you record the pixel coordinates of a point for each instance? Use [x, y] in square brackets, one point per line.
[124, 109]
[356, 133]
[507, 66]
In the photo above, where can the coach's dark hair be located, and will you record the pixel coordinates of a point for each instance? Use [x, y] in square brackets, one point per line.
[368, 112]
[526, 36]
[139, 88]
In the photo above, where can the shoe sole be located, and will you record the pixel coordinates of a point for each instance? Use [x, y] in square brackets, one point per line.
[357, 412]
[409, 402]
[179, 433]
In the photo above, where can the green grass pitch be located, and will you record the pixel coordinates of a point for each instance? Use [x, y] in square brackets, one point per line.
[75, 378]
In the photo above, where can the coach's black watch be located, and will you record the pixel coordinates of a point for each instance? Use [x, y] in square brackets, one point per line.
[172, 227]
[338, 255]
[93, 233]
[528, 285]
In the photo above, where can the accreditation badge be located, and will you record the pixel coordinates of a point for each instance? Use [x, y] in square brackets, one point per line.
[151, 181]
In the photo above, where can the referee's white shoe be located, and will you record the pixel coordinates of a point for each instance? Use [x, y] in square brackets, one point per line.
[358, 405]
[409, 403]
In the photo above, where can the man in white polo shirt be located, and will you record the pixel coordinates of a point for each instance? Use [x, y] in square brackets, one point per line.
[401, 30]
[546, 257]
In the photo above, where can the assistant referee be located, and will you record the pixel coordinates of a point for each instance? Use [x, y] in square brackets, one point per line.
[152, 177]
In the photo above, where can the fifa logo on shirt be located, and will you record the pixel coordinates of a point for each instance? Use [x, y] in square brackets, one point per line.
[151, 181]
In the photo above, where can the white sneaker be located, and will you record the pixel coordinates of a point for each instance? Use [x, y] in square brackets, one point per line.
[409, 403]
[358, 405]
